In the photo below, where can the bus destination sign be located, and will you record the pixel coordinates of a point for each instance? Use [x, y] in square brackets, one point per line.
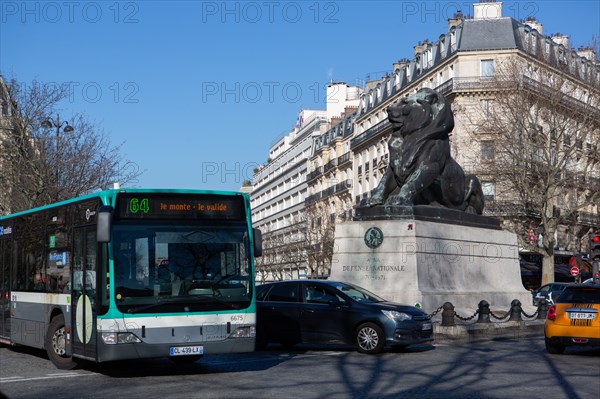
[180, 206]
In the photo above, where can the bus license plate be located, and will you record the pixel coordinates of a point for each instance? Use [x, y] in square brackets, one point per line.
[581, 316]
[187, 350]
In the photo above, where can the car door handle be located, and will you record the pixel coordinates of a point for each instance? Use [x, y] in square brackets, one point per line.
[309, 310]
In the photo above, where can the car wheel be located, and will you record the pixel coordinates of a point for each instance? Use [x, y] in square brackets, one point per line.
[555, 349]
[56, 344]
[369, 338]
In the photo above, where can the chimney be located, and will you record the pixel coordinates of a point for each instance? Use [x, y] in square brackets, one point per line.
[348, 110]
[561, 39]
[489, 9]
[401, 63]
[534, 24]
[587, 52]
[335, 120]
[421, 47]
[455, 20]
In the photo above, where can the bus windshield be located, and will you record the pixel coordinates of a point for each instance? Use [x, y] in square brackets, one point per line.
[172, 268]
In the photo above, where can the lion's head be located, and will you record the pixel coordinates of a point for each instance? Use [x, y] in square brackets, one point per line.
[416, 111]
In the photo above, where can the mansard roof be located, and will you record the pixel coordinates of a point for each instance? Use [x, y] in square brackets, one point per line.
[474, 35]
[489, 34]
[471, 35]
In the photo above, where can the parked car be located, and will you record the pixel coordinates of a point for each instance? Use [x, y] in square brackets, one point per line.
[574, 319]
[301, 311]
[549, 292]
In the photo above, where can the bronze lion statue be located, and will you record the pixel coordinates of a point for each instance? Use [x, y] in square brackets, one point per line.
[421, 170]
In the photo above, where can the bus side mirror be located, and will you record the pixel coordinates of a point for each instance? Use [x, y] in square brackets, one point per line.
[258, 245]
[104, 226]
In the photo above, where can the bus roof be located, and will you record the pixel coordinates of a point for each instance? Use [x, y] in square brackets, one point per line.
[106, 197]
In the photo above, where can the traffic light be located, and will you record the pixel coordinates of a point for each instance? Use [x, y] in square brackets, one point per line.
[595, 246]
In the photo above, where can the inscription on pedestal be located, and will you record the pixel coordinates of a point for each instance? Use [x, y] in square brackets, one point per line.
[374, 273]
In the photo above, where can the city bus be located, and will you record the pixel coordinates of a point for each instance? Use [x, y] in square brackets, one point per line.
[129, 274]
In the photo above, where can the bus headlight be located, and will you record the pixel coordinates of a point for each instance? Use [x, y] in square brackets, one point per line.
[114, 338]
[244, 332]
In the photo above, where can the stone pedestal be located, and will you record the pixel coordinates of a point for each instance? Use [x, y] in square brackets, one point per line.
[427, 258]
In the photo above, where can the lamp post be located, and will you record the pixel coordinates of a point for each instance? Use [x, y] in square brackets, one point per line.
[57, 124]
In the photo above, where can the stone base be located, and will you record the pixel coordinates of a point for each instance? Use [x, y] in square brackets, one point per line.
[430, 263]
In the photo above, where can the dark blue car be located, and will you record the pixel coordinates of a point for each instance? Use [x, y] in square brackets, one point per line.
[303, 311]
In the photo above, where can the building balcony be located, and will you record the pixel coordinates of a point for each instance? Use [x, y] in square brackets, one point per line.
[330, 165]
[314, 174]
[379, 128]
[343, 186]
[588, 218]
[328, 192]
[476, 83]
[342, 159]
[311, 199]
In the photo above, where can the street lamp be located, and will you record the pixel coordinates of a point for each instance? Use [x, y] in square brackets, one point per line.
[57, 124]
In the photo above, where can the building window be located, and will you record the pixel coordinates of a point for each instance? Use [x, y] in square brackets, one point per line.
[487, 68]
[486, 106]
[489, 190]
[488, 151]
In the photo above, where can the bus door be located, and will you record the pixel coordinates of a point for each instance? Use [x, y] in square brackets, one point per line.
[84, 294]
[5, 256]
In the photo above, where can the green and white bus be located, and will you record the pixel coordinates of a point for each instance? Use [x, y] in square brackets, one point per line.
[130, 273]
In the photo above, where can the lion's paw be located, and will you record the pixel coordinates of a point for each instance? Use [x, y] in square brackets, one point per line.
[375, 200]
[397, 200]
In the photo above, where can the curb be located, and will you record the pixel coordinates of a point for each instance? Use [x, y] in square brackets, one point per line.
[479, 332]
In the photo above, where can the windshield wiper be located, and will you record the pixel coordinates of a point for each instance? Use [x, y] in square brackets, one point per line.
[182, 299]
[160, 302]
[215, 299]
[145, 307]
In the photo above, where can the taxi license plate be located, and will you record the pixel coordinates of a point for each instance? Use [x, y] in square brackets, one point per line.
[582, 316]
[186, 350]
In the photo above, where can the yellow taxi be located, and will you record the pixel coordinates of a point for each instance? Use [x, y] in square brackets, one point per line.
[574, 319]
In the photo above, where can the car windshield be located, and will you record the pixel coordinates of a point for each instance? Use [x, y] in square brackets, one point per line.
[589, 295]
[174, 268]
[357, 293]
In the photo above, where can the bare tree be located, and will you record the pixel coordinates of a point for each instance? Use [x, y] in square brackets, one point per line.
[283, 254]
[545, 126]
[319, 239]
[43, 165]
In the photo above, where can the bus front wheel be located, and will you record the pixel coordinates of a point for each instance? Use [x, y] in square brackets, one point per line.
[56, 344]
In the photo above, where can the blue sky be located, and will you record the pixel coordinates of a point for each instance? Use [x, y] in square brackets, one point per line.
[198, 90]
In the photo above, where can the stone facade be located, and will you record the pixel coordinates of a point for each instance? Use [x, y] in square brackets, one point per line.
[349, 158]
